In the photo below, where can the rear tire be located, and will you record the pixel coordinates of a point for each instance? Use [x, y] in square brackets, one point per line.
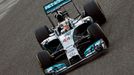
[44, 59]
[94, 10]
[96, 32]
[41, 34]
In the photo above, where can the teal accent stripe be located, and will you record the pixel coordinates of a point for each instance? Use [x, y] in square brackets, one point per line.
[88, 50]
[53, 6]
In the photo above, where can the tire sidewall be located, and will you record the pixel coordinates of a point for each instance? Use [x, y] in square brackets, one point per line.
[44, 59]
[96, 32]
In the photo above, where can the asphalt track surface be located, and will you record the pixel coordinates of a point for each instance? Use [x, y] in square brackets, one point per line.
[18, 45]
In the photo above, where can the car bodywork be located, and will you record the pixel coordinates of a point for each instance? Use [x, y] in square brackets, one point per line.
[75, 46]
[68, 42]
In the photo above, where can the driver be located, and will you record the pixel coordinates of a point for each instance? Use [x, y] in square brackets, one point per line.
[64, 23]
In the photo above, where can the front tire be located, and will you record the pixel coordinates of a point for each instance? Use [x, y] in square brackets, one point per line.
[96, 32]
[94, 10]
[45, 60]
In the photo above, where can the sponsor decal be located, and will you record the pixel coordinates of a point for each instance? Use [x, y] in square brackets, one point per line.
[56, 4]
[66, 39]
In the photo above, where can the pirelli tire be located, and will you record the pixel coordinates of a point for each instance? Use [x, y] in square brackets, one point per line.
[96, 32]
[45, 60]
[93, 9]
[41, 34]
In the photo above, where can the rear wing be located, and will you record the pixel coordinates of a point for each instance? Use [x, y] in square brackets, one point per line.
[55, 5]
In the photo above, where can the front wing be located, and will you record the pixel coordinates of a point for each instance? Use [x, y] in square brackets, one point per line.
[90, 54]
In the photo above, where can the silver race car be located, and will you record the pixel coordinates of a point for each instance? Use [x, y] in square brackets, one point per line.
[72, 41]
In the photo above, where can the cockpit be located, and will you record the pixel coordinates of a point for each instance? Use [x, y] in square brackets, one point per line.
[64, 22]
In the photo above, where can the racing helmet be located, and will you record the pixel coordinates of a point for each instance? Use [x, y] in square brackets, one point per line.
[60, 16]
[66, 26]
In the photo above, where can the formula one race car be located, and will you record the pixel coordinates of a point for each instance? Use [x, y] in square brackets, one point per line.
[73, 41]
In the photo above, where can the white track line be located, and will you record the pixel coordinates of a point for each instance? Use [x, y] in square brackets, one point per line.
[5, 6]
